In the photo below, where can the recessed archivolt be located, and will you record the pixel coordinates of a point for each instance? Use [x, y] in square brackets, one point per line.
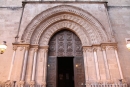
[44, 40]
[90, 32]
[28, 33]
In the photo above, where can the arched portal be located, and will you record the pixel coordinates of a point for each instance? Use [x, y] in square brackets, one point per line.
[48, 27]
[65, 60]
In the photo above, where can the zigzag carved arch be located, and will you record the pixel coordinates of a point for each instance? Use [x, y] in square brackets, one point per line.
[40, 19]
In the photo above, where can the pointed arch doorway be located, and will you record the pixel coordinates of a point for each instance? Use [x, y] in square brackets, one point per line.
[65, 60]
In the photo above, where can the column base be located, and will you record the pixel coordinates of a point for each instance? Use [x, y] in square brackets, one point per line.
[88, 84]
[43, 84]
[122, 81]
[21, 83]
[8, 83]
[32, 83]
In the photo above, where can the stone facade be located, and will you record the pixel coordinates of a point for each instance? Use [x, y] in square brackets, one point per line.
[98, 25]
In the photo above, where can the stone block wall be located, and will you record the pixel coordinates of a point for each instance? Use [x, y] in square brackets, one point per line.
[10, 13]
[120, 22]
[9, 21]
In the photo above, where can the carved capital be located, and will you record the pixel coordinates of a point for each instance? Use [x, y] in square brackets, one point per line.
[95, 49]
[35, 49]
[27, 47]
[45, 48]
[84, 49]
[115, 47]
[88, 49]
[103, 48]
[15, 47]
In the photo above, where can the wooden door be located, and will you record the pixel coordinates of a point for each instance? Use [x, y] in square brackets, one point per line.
[79, 74]
[65, 44]
[51, 72]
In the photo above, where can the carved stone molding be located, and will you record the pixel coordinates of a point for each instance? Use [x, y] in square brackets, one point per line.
[103, 48]
[73, 22]
[15, 47]
[89, 49]
[44, 47]
[82, 16]
[108, 46]
[44, 40]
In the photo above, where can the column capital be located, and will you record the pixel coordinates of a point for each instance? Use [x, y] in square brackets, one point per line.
[84, 49]
[87, 48]
[95, 49]
[103, 48]
[36, 49]
[27, 47]
[115, 47]
[44, 47]
[15, 47]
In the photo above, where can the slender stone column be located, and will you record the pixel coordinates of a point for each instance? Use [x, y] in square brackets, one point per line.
[106, 63]
[12, 62]
[96, 64]
[34, 64]
[118, 62]
[85, 64]
[24, 63]
[45, 66]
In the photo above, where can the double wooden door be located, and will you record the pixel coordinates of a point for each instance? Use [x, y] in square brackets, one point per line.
[62, 45]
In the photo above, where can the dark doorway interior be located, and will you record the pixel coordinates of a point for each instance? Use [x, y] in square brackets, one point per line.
[65, 72]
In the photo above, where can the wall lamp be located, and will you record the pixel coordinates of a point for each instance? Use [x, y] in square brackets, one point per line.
[3, 47]
[128, 43]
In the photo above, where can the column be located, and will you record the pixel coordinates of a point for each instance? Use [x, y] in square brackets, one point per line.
[24, 63]
[118, 63]
[96, 63]
[12, 62]
[85, 64]
[106, 63]
[34, 64]
[45, 66]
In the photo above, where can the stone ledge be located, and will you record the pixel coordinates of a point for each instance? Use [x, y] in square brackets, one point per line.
[54, 2]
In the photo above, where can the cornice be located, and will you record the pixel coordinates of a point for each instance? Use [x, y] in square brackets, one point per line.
[55, 2]
[102, 44]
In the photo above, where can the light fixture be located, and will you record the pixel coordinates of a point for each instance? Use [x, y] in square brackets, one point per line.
[128, 43]
[3, 47]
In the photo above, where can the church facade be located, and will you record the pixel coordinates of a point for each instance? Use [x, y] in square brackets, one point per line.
[65, 44]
